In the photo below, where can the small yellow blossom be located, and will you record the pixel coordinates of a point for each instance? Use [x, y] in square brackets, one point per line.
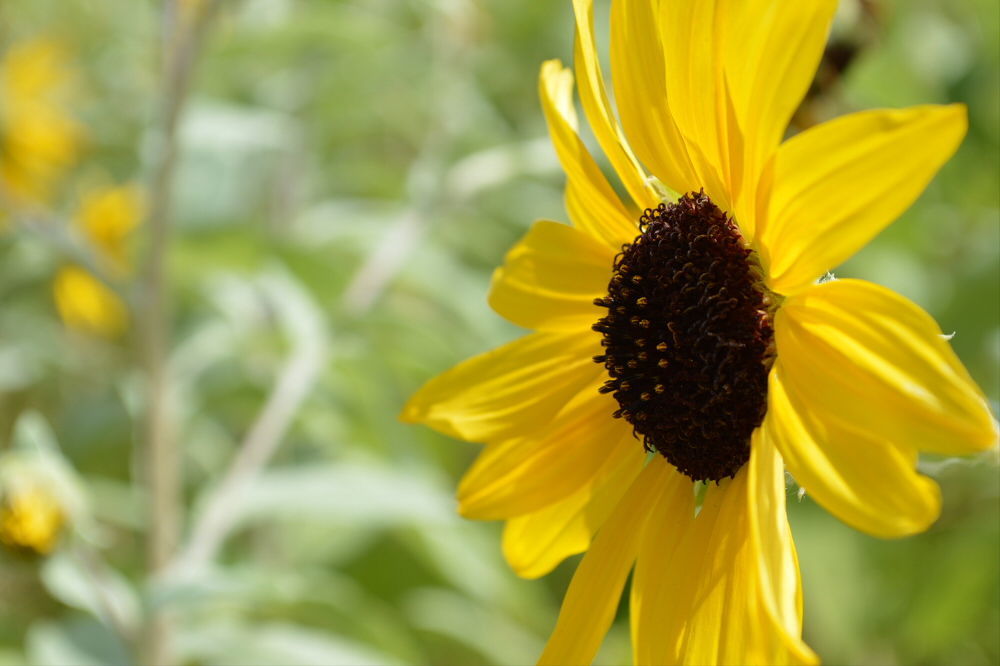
[39, 140]
[107, 218]
[87, 304]
[31, 517]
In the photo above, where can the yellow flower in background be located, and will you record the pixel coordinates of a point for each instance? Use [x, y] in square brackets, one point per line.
[685, 352]
[31, 517]
[106, 219]
[86, 304]
[39, 139]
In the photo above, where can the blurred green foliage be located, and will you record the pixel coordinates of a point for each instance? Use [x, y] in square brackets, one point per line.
[351, 173]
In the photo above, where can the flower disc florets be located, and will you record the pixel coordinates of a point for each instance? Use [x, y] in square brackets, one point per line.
[688, 338]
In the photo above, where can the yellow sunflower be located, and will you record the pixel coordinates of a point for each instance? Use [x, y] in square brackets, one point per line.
[39, 140]
[31, 518]
[687, 351]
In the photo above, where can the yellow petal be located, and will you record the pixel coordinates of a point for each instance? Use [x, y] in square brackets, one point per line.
[689, 33]
[511, 391]
[779, 584]
[869, 483]
[593, 205]
[770, 52]
[594, 98]
[839, 184]
[516, 477]
[535, 543]
[671, 519]
[87, 304]
[592, 598]
[862, 355]
[550, 279]
[641, 95]
[724, 590]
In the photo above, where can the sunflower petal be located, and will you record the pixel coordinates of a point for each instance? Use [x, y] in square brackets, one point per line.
[535, 543]
[527, 474]
[592, 598]
[671, 519]
[550, 278]
[839, 184]
[594, 98]
[770, 52]
[641, 93]
[593, 205]
[862, 355]
[870, 484]
[695, 90]
[728, 592]
[773, 550]
[510, 391]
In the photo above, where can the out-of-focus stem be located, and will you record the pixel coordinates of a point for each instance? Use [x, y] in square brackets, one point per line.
[161, 455]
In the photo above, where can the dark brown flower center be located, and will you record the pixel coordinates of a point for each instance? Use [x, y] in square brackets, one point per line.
[688, 338]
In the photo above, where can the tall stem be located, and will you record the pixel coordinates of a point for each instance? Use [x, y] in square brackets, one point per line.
[161, 456]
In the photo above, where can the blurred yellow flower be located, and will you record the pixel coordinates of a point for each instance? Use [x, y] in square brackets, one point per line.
[31, 517]
[87, 304]
[106, 219]
[686, 347]
[39, 139]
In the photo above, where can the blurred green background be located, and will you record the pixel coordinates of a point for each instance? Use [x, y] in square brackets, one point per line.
[350, 174]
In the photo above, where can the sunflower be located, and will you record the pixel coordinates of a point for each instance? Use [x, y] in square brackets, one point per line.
[690, 347]
[106, 219]
[31, 518]
[35, 502]
[39, 140]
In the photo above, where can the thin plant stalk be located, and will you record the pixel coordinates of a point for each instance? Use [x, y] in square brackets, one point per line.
[160, 454]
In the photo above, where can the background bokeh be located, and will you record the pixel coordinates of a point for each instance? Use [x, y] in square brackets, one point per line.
[349, 174]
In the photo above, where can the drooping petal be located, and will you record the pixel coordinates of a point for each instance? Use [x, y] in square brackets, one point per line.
[772, 548]
[671, 519]
[512, 478]
[550, 279]
[724, 589]
[641, 94]
[510, 391]
[594, 98]
[869, 483]
[590, 603]
[535, 543]
[839, 184]
[862, 355]
[770, 52]
[593, 205]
